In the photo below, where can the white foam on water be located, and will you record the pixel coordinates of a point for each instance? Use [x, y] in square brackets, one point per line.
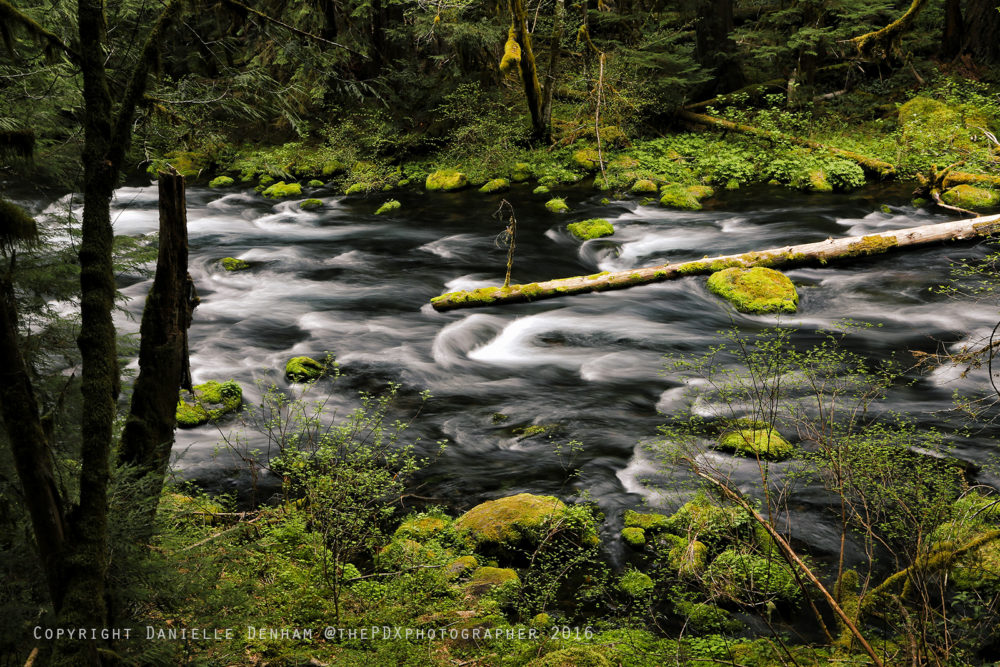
[637, 365]
[452, 247]
[452, 343]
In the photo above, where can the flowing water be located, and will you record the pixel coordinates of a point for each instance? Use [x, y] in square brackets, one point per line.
[357, 285]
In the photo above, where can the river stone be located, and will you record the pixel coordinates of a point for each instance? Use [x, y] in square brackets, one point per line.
[571, 657]
[209, 402]
[971, 197]
[756, 290]
[303, 369]
[763, 442]
[509, 520]
[446, 180]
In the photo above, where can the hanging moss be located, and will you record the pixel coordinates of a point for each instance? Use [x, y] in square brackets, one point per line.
[756, 290]
[16, 226]
[511, 52]
[594, 228]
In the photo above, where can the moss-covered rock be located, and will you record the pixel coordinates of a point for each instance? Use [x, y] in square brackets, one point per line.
[282, 189]
[233, 264]
[707, 618]
[971, 197]
[557, 205]
[496, 185]
[357, 189]
[221, 182]
[423, 526]
[315, 183]
[577, 656]
[486, 578]
[756, 290]
[634, 537]
[541, 620]
[587, 159]
[462, 565]
[388, 207]
[522, 172]
[594, 228]
[689, 197]
[972, 517]
[510, 520]
[210, 401]
[765, 442]
[818, 182]
[751, 578]
[304, 369]
[644, 186]
[704, 520]
[540, 190]
[332, 168]
[311, 204]
[445, 180]
[648, 522]
[636, 583]
[687, 557]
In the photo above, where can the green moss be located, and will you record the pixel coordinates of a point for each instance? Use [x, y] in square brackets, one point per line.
[496, 185]
[650, 522]
[332, 168]
[644, 186]
[756, 290]
[282, 189]
[522, 172]
[871, 245]
[971, 197]
[511, 519]
[498, 418]
[445, 180]
[264, 181]
[704, 618]
[634, 536]
[304, 369]
[486, 578]
[706, 521]
[817, 181]
[423, 526]
[535, 429]
[688, 557]
[594, 228]
[358, 188]
[461, 565]
[763, 442]
[540, 190]
[676, 195]
[587, 159]
[314, 183]
[210, 401]
[557, 205]
[747, 577]
[542, 620]
[189, 164]
[577, 656]
[221, 182]
[233, 264]
[636, 584]
[388, 207]
[311, 204]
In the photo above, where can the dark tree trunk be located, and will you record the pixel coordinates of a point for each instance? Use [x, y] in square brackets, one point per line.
[555, 47]
[951, 39]
[163, 351]
[715, 49]
[529, 72]
[982, 31]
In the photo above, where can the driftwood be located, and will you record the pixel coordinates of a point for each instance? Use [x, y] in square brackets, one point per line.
[870, 165]
[821, 251]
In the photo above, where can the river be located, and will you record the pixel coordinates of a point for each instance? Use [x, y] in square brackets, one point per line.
[343, 280]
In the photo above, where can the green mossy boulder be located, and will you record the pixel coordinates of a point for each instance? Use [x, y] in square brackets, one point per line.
[644, 186]
[971, 197]
[541, 620]
[282, 189]
[756, 290]
[496, 185]
[311, 204]
[445, 180]
[304, 369]
[707, 618]
[557, 205]
[315, 183]
[522, 172]
[750, 578]
[233, 264]
[358, 188]
[510, 520]
[388, 207]
[763, 442]
[702, 519]
[594, 228]
[634, 537]
[462, 565]
[818, 182]
[649, 522]
[332, 168]
[577, 656]
[587, 159]
[221, 182]
[210, 401]
[540, 190]
[423, 526]
[486, 578]
[686, 557]
[688, 197]
[636, 584]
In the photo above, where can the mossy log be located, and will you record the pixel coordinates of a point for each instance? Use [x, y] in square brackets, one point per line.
[820, 251]
[870, 165]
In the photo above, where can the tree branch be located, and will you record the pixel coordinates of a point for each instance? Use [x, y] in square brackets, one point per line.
[301, 33]
[11, 15]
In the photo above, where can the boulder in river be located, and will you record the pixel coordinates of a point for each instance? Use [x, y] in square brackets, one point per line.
[304, 369]
[209, 402]
[523, 518]
[445, 180]
[756, 290]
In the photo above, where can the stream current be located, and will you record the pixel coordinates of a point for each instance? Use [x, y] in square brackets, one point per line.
[343, 280]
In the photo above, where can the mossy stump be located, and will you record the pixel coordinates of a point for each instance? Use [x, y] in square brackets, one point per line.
[756, 290]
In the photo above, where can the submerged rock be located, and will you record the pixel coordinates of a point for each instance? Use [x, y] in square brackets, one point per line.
[388, 207]
[311, 204]
[557, 205]
[756, 290]
[233, 264]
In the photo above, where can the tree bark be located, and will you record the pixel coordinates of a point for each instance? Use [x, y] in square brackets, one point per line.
[555, 47]
[951, 39]
[982, 30]
[529, 72]
[822, 251]
[163, 350]
[715, 48]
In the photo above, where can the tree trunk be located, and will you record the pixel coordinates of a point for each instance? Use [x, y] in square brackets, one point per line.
[982, 31]
[555, 47]
[951, 39]
[540, 131]
[822, 251]
[163, 351]
[715, 49]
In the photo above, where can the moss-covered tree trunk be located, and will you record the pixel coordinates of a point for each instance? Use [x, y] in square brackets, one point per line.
[822, 251]
[540, 131]
[555, 48]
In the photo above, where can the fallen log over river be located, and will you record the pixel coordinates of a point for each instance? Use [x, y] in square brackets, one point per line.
[821, 252]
